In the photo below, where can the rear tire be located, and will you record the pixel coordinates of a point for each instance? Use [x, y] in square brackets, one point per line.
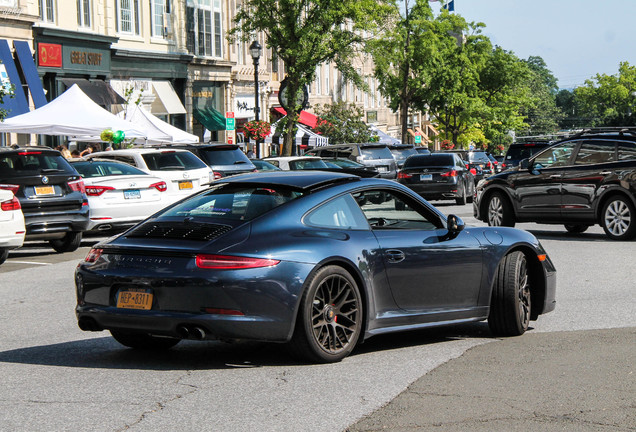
[69, 243]
[329, 321]
[618, 218]
[510, 306]
[576, 229]
[499, 211]
[144, 341]
[462, 199]
[4, 254]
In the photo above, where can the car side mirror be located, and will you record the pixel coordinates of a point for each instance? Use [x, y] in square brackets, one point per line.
[524, 164]
[454, 224]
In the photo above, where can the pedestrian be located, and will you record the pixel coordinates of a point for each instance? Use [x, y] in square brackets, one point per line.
[75, 153]
[88, 150]
[250, 154]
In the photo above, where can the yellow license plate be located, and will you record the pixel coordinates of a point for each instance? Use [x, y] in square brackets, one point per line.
[185, 185]
[133, 298]
[44, 190]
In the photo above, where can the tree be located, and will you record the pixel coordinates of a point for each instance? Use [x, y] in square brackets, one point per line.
[307, 33]
[609, 100]
[342, 123]
[540, 109]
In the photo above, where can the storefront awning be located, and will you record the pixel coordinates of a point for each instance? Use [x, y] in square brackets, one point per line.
[210, 118]
[167, 101]
[9, 75]
[99, 91]
[305, 118]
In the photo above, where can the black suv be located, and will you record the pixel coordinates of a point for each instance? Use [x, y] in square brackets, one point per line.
[224, 159]
[522, 150]
[583, 180]
[51, 193]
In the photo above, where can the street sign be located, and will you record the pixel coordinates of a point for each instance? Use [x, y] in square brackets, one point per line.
[229, 114]
[229, 124]
[418, 138]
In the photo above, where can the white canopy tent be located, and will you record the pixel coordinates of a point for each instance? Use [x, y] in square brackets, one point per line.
[304, 136]
[159, 131]
[384, 138]
[70, 114]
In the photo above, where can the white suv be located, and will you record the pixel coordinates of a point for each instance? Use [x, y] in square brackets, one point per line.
[183, 172]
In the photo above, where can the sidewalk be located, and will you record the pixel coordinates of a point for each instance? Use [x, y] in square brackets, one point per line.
[564, 381]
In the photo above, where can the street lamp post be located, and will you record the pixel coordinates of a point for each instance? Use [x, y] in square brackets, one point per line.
[255, 51]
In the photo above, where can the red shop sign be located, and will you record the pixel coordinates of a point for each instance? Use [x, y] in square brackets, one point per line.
[49, 55]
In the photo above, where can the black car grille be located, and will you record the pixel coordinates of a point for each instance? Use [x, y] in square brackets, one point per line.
[49, 209]
[170, 230]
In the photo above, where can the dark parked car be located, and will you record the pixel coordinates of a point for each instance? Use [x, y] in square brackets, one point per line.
[438, 176]
[224, 159]
[422, 150]
[373, 155]
[473, 161]
[584, 180]
[350, 167]
[262, 165]
[522, 150]
[51, 194]
[303, 258]
[401, 152]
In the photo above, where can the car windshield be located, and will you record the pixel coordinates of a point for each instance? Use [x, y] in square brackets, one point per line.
[429, 160]
[92, 169]
[307, 164]
[232, 202]
[170, 160]
[33, 163]
[223, 156]
[376, 152]
[346, 163]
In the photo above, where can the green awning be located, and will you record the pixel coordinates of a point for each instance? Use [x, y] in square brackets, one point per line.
[210, 118]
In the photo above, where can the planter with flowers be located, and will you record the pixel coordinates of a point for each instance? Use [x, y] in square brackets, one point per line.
[447, 145]
[257, 129]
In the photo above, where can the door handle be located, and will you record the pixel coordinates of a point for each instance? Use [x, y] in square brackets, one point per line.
[605, 173]
[395, 256]
[556, 176]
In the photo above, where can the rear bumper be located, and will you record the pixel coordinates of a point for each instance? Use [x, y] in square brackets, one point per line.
[43, 225]
[436, 191]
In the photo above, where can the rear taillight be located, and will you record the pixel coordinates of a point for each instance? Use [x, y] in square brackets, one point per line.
[217, 175]
[77, 186]
[12, 204]
[451, 173]
[97, 190]
[403, 175]
[226, 262]
[13, 188]
[29, 153]
[93, 255]
[160, 186]
[503, 165]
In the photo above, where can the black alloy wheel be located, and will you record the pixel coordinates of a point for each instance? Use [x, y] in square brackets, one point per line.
[144, 341]
[510, 307]
[330, 317]
[69, 243]
[576, 229]
[462, 198]
[618, 218]
[499, 211]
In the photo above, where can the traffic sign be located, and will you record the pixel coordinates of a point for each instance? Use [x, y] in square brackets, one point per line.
[229, 123]
[229, 114]
[418, 138]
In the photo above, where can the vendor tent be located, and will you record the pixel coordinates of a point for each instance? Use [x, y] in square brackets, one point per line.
[304, 137]
[384, 138]
[70, 114]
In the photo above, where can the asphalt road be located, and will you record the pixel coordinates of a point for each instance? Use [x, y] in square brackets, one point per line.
[58, 378]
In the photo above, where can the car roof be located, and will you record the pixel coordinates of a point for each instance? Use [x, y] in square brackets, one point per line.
[304, 180]
[133, 151]
[291, 158]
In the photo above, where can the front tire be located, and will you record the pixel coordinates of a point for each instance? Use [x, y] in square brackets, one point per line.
[329, 323]
[499, 211]
[143, 341]
[576, 229]
[618, 219]
[69, 243]
[510, 307]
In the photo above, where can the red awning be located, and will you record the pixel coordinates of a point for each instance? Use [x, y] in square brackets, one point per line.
[305, 117]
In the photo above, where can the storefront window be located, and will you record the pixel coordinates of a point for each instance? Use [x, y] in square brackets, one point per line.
[83, 13]
[128, 16]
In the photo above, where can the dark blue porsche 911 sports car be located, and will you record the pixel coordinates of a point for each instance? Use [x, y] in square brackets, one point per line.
[320, 261]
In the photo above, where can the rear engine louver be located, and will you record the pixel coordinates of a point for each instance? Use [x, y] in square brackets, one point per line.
[196, 232]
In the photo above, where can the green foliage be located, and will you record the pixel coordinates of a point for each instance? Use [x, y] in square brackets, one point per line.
[342, 123]
[539, 107]
[609, 100]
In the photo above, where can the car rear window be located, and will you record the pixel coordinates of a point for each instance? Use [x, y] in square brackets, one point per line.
[232, 203]
[172, 160]
[31, 163]
[478, 157]
[223, 156]
[101, 169]
[429, 160]
[376, 153]
[403, 153]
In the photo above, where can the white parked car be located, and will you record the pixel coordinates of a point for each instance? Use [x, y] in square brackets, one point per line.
[183, 172]
[119, 195]
[296, 163]
[12, 228]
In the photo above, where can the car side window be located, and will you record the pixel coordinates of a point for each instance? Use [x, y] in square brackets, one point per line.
[626, 151]
[385, 209]
[339, 213]
[595, 152]
[556, 156]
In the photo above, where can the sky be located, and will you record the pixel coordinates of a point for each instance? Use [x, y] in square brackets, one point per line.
[577, 39]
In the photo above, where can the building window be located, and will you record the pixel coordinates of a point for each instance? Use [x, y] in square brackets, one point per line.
[84, 13]
[205, 28]
[318, 79]
[327, 73]
[128, 16]
[47, 10]
[158, 12]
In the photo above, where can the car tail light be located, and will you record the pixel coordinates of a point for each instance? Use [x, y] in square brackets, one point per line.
[503, 165]
[217, 175]
[93, 255]
[12, 204]
[13, 188]
[29, 153]
[77, 186]
[226, 262]
[97, 190]
[473, 171]
[160, 186]
[403, 175]
[451, 173]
